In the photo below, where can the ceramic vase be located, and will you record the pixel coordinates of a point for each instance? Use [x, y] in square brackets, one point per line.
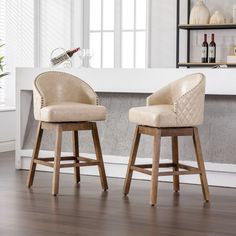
[217, 18]
[200, 14]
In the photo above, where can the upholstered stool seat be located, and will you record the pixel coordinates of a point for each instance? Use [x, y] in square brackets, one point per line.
[155, 116]
[63, 102]
[72, 111]
[173, 111]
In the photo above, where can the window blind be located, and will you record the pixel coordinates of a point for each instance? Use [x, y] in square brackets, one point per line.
[54, 28]
[2, 49]
[30, 38]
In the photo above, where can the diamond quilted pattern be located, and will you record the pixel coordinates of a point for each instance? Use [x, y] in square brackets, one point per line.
[189, 108]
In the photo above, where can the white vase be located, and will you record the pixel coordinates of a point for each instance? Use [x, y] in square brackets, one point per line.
[200, 14]
[217, 18]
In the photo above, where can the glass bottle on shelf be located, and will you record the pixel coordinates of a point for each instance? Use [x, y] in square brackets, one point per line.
[212, 50]
[205, 50]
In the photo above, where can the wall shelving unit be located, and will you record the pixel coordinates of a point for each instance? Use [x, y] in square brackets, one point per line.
[187, 27]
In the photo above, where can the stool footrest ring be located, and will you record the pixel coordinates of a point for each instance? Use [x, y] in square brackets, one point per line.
[188, 170]
[49, 161]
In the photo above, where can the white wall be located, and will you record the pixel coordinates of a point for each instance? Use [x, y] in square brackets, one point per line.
[163, 32]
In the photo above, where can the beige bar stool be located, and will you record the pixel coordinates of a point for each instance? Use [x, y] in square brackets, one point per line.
[173, 111]
[63, 102]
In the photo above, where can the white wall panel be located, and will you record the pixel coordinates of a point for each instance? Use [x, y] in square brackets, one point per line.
[54, 28]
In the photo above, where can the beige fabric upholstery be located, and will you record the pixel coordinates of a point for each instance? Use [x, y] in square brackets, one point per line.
[179, 104]
[73, 112]
[62, 97]
[154, 115]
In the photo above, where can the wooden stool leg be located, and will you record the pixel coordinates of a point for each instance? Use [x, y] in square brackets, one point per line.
[132, 159]
[35, 155]
[175, 157]
[57, 159]
[155, 167]
[75, 141]
[99, 158]
[200, 161]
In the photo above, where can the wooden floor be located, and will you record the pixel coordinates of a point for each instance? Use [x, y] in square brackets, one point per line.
[86, 210]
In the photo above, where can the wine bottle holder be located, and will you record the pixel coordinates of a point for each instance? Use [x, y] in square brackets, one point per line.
[59, 58]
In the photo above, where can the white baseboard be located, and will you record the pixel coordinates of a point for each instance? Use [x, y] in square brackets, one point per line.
[7, 146]
[223, 175]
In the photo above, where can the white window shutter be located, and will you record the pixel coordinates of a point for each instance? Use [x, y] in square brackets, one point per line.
[54, 28]
[2, 51]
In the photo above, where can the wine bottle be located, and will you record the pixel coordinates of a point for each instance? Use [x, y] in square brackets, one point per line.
[212, 50]
[70, 53]
[205, 50]
[63, 57]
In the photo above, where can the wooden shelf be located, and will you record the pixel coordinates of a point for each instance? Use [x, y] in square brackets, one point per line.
[207, 27]
[199, 64]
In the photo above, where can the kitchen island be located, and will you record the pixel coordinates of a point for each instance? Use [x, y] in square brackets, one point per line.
[121, 89]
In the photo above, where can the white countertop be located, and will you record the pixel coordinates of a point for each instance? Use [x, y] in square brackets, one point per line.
[219, 81]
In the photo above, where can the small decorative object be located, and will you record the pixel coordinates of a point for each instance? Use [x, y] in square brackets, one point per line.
[231, 59]
[82, 55]
[200, 14]
[217, 18]
[234, 50]
[60, 56]
[228, 20]
[234, 13]
[85, 56]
